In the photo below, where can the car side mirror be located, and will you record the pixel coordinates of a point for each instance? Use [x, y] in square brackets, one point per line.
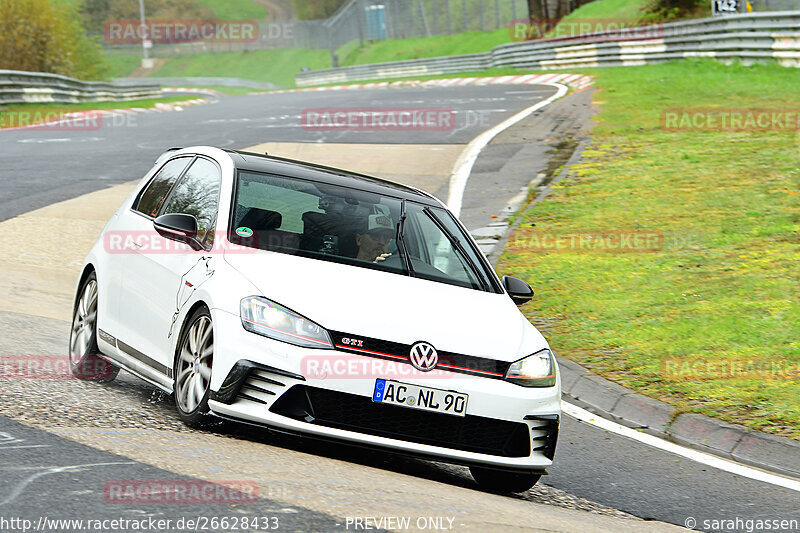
[178, 227]
[519, 291]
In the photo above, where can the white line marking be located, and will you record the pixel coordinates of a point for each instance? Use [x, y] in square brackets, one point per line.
[693, 455]
[46, 471]
[465, 162]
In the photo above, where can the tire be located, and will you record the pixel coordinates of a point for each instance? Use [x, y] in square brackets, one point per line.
[193, 363]
[85, 360]
[502, 481]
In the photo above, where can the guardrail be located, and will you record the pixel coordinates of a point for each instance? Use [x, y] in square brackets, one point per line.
[396, 69]
[18, 87]
[200, 82]
[747, 37]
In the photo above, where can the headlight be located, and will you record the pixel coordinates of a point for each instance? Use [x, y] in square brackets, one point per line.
[537, 370]
[272, 320]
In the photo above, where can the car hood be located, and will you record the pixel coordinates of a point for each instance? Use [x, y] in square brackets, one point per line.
[392, 307]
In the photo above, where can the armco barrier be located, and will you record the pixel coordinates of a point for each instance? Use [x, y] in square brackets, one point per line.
[747, 37]
[17, 87]
[200, 82]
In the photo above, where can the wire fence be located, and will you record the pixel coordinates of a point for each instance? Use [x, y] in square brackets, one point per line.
[359, 21]
[775, 5]
[371, 20]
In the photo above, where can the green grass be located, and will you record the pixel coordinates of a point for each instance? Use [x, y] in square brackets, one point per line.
[276, 66]
[600, 15]
[422, 47]
[15, 115]
[235, 9]
[120, 66]
[280, 66]
[723, 285]
[613, 9]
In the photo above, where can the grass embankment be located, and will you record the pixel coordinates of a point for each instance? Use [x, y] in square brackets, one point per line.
[610, 9]
[16, 115]
[280, 66]
[709, 320]
[473, 42]
[276, 66]
[235, 9]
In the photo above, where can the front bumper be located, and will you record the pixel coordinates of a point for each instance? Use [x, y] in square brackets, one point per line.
[267, 382]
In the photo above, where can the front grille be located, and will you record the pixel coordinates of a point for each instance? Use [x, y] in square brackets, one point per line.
[360, 414]
[396, 351]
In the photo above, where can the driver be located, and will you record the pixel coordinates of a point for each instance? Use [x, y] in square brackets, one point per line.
[374, 238]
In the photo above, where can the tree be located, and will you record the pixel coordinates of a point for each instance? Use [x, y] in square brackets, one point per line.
[48, 36]
[537, 9]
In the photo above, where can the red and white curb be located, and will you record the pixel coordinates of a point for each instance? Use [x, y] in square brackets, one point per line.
[576, 82]
[66, 119]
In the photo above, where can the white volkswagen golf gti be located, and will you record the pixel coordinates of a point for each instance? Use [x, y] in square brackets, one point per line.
[319, 302]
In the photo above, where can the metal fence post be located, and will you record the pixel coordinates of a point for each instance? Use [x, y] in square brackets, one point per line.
[449, 26]
[424, 18]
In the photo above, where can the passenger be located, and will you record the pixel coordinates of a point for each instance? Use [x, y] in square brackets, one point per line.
[373, 241]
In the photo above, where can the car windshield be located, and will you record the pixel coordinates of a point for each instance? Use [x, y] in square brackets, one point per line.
[354, 227]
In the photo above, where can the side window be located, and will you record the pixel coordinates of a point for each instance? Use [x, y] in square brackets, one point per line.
[152, 198]
[198, 194]
[444, 258]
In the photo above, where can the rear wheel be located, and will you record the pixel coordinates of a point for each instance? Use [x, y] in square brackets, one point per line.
[193, 369]
[502, 481]
[84, 355]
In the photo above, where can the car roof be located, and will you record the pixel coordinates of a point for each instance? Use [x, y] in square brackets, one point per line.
[334, 176]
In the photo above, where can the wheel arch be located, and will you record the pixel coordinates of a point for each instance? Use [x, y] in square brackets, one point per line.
[87, 271]
[189, 314]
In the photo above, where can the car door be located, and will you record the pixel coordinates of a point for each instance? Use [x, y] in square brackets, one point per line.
[127, 233]
[162, 274]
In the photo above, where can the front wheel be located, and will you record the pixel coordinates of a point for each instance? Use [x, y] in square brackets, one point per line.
[193, 370]
[84, 355]
[502, 481]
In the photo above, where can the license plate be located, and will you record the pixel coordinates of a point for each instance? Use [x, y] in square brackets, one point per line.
[416, 397]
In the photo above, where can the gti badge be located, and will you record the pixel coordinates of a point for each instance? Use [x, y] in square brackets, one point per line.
[423, 356]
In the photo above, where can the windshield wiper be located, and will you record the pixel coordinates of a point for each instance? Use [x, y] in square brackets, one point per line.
[401, 241]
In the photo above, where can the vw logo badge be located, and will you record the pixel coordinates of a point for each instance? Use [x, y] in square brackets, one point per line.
[423, 356]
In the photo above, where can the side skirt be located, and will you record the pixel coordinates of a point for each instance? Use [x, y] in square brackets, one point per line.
[113, 359]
